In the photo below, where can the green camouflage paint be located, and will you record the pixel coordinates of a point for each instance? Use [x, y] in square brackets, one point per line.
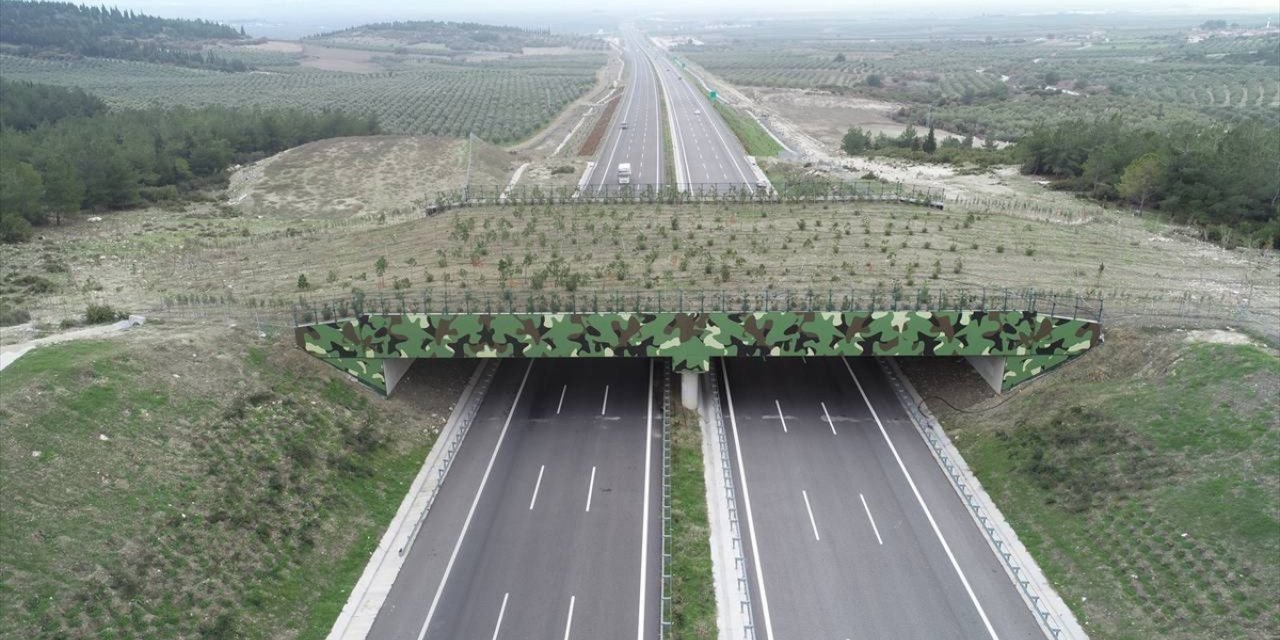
[1033, 342]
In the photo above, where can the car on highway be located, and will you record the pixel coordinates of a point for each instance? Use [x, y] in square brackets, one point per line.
[697, 112]
[622, 126]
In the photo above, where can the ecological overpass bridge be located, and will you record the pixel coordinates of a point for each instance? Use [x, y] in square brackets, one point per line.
[1007, 336]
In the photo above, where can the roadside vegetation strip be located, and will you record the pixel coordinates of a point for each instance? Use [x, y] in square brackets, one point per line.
[1142, 479]
[693, 597]
[669, 177]
[601, 128]
[757, 141]
[201, 485]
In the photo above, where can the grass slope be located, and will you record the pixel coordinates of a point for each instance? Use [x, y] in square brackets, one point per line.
[693, 597]
[757, 141]
[180, 486]
[1144, 478]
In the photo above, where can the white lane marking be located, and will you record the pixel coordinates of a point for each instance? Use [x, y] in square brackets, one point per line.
[746, 502]
[561, 404]
[606, 400]
[466, 524]
[873, 520]
[829, 420]
[536, 486]
[929, 515]
[568, 623]
[591, 486]
[644, 533]
[813, 523]
[501, 612]
[780, 417]
[617, 133]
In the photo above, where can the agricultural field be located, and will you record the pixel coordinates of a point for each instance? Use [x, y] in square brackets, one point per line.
[501, 101]
[453, 38]
[1002, 87]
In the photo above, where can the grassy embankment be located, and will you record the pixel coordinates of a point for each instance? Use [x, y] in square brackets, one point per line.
[1144, 479]
[210, 485]
[757, 141]
[693, 598]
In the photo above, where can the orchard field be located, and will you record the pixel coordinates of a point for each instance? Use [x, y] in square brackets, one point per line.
[501, 101]
[1002, 87]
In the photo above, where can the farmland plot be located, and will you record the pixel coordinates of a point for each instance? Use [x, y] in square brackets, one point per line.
[498, 101]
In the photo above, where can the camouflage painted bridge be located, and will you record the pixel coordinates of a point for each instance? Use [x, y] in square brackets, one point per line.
[1009, 337]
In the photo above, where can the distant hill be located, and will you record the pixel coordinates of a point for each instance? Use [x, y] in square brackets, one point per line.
[450, 37]
[57, 29]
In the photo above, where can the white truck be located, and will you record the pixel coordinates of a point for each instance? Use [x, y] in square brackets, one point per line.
[624, 173]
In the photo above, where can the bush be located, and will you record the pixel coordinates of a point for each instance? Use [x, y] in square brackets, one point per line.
[566, 168]
[10, 316]
[102, 314]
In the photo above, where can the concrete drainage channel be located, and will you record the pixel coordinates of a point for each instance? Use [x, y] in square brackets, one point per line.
[666, 500]
[361, 609]
[1055, 618]
[728, 559]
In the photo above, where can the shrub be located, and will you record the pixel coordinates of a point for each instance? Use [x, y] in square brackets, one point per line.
[102, 314]
[10, 316]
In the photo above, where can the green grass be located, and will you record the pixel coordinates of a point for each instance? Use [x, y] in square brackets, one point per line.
[693, 598]
[202, 487]
[1144, 480]
[757, 141]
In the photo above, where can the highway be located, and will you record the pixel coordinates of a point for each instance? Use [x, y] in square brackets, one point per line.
[706, 152]
[853, 530]
[549, 525]
[640, 143]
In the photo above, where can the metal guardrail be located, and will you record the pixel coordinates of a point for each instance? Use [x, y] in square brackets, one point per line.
[464, 425]
[666, 499]
[730, 494]
[929, 427]
[447, 302]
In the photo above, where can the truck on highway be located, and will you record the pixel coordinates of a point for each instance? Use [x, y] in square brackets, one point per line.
[624, 173]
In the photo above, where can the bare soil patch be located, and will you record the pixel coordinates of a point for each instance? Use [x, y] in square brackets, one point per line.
[337, 59]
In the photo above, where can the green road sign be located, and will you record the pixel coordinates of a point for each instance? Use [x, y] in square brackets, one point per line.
[712, 95]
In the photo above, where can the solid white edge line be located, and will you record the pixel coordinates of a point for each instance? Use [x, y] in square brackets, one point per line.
[872, 520]
[501, 612]
[591, 487]
[746, 502]
[617, 135]
[536, 486]
[927, 514]
[561, 404]
[466, 524]
[813, 523]
[780, 417]
[605, 404]
[829, 420]
[644, 532]
[568, 622]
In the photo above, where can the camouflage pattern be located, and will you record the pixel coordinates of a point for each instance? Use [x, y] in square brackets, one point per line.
[691, 340]
[366, 370]
[1019, 369]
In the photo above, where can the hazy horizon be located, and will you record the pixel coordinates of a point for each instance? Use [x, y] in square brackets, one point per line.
[291, 19]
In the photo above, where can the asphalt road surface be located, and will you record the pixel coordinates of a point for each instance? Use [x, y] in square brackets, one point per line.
[707, 152]
[549, 526]
[640, 143]
[848, 535]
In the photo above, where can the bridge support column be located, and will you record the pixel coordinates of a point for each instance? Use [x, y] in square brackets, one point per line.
[689, 390]
[393, 369]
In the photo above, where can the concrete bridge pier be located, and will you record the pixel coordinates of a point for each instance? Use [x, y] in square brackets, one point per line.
[689, 389]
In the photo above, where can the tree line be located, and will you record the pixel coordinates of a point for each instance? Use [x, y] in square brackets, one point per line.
[62, 28]
[89, 158]
[1224, 180]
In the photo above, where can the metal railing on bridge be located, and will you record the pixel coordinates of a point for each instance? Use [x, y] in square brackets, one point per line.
[466, 301]
[789, 191]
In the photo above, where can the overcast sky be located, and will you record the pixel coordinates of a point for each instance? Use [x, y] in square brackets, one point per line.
[293, 18]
